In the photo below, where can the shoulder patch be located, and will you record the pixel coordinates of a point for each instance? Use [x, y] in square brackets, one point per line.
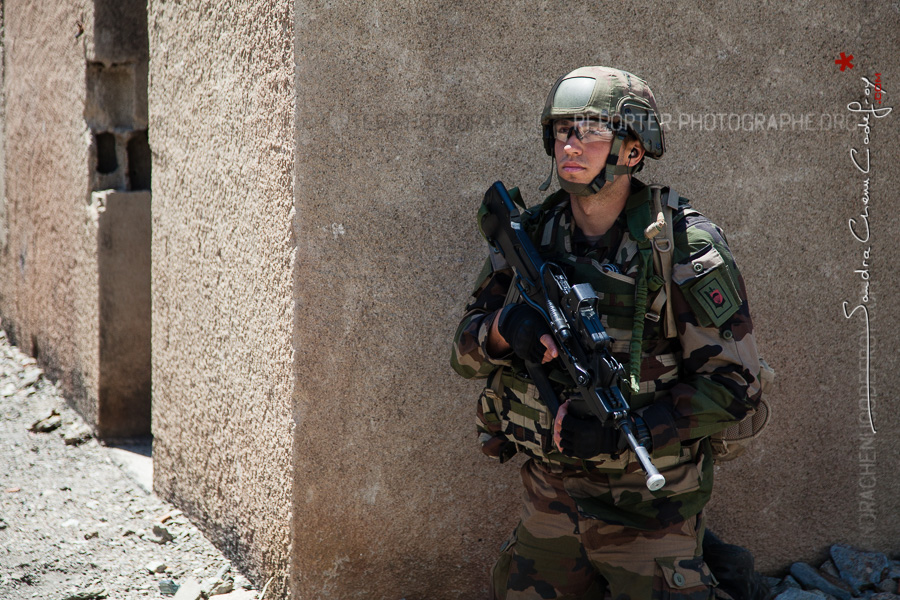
[708, 285]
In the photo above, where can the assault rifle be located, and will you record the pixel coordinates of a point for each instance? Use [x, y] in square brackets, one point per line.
[571, 312]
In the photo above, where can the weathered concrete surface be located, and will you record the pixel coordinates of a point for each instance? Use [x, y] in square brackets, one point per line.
[48, 265]
[59, 103]
[221, 112]
[124, 288]
[116, 31]
[407, 113]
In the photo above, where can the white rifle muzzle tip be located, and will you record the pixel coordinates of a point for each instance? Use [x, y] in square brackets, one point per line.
[654, 482]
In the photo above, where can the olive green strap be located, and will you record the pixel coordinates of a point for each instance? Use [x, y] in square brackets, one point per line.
[640, 313]
[662, 255]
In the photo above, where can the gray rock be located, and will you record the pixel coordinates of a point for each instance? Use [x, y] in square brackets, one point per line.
[242, 582]
[46, 424]
[238, 595]
[223, 587]
[888, 585]
[160, 535]
[88, 594]
[76, 435]
[792, 593]
[31, 376]
[859, 569]
[208, 584]
[223, 571]
[156, 566]
[167, 587]
[827, 568]
[189, 591]
[782, 586]
[810, 579]
[884, 596]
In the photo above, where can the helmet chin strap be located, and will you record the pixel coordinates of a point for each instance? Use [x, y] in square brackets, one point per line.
[610, 170]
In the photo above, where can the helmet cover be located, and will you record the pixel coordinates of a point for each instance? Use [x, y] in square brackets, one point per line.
[622, 99]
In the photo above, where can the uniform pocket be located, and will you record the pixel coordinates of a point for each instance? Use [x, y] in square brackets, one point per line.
[523, 416]
[500, 571]
[686, 576]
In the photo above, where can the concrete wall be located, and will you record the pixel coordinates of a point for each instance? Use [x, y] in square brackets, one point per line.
[123, 257]
[74, 97]
[408, 112]
[48, 265]
[221, 112]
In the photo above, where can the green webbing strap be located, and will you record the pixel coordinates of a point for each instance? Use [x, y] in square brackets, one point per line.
[640, 313]
[613, 156]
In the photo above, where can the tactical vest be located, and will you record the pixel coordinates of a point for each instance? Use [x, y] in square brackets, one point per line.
[629, 291]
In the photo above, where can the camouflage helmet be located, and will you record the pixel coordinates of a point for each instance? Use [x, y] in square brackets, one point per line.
[622, 99]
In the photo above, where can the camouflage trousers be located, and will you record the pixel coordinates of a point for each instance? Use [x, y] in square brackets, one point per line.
[557, 553]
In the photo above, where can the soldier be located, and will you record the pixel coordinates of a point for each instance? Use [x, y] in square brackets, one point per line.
[589, 520]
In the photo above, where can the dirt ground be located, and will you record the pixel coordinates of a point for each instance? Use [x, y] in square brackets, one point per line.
[74, 525]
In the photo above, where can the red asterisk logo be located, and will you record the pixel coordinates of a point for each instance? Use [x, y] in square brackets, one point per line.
[844, 61]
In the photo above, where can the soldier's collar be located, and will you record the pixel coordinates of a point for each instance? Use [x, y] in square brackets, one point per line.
[637, 210]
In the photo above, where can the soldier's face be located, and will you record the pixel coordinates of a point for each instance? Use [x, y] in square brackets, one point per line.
[579, 161]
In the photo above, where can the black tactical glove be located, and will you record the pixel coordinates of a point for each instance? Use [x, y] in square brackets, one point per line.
[522, 327]
[586, 437]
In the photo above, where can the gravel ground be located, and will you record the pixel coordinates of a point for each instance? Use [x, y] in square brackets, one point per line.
[75, 526]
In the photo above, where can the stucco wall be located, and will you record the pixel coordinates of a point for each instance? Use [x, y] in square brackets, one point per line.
[48, 265]
[407, 113]
[59, 95]
[221, 109]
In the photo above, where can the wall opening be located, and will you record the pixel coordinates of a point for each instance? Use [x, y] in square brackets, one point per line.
[115, 109]
[106, 153]
[139, 161]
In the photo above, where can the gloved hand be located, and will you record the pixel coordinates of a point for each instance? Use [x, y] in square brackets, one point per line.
[522, 327]
[586, 437]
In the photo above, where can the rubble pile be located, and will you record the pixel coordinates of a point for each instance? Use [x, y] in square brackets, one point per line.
[849, 573]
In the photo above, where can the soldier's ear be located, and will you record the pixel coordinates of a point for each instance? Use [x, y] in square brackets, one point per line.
[635, 153]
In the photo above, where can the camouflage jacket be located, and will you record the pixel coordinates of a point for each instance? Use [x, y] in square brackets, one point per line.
[691, 385]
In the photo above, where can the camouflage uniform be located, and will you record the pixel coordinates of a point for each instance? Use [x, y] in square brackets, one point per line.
[586, 522]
